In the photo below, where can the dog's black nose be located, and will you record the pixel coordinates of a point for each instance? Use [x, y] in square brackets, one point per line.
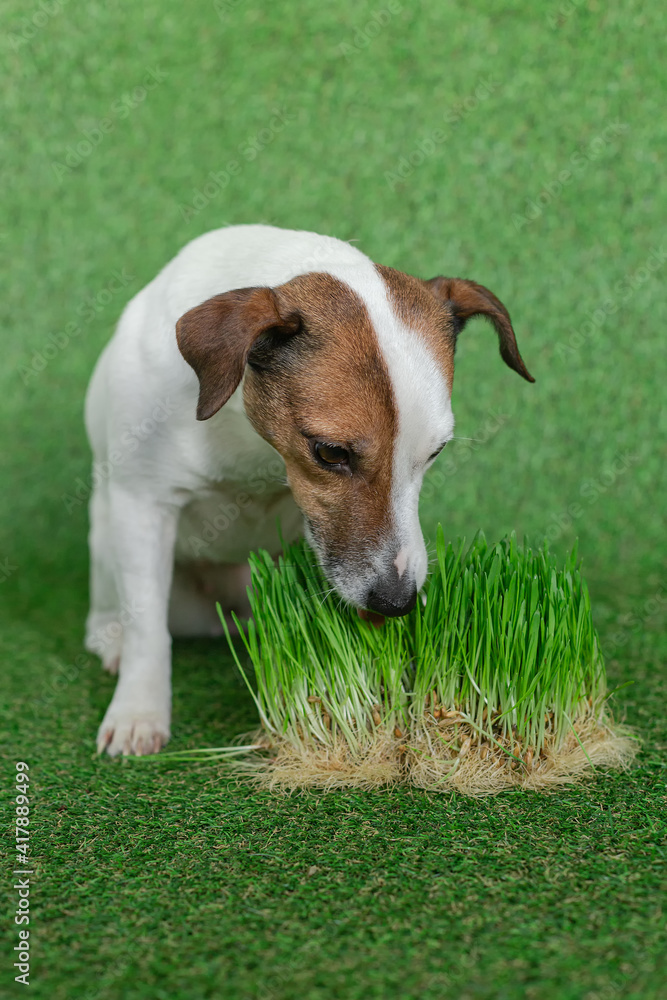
[391, 605]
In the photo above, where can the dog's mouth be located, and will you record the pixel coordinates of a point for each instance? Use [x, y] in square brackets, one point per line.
[372, 617]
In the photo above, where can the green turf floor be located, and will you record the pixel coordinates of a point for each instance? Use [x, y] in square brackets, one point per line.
[509, 142]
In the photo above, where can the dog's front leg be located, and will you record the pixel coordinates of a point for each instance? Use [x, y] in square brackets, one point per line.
[143, 531]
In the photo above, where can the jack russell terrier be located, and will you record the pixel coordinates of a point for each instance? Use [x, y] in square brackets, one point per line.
[258, 346]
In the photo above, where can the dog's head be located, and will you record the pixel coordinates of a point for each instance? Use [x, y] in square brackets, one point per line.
[352, 388]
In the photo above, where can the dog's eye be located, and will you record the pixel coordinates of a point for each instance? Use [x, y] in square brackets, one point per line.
[332, 454]
[436, 452]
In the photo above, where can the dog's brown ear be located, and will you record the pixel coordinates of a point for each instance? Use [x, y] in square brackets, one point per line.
[216, 337]
[466, 299]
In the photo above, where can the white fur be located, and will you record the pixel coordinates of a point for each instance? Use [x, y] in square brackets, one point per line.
[159, 475]
[425, 421]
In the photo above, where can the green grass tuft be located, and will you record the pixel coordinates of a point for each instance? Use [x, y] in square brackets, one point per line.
[501, 658]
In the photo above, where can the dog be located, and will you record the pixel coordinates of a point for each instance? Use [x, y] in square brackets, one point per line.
[266, 383]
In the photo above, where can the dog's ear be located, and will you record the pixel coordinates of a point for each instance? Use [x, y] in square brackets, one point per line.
[466, 299]
[216, 337]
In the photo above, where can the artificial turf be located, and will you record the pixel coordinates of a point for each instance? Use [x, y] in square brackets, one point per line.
[157, 880]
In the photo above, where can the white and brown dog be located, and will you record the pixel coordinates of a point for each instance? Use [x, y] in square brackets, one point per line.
[256, 343]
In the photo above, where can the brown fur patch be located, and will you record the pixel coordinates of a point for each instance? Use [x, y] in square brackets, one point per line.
[465, 299]
[215, 339]
[330, 384]
[421, 311]
[439, 309]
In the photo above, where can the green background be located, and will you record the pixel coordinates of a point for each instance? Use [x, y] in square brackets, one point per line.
[155, 880]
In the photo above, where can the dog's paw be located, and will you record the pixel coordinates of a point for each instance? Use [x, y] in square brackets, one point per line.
[132, 733]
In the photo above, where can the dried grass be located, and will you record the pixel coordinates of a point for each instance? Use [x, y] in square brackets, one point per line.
[430, 758]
